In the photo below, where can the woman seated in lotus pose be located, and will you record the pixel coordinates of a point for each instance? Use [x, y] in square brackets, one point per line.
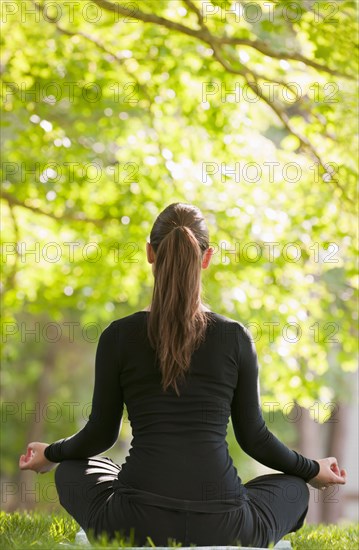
[182, 370]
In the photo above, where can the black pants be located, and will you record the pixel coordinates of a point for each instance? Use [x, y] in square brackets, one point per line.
[274, 505]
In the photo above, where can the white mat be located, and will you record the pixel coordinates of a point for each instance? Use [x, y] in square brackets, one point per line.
[82, 540]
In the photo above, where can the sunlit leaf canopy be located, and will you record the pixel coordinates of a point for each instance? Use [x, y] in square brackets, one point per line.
[113, 110]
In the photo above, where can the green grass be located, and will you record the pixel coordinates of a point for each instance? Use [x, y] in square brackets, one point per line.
[26, 531]
[325, 537]
[33, 530]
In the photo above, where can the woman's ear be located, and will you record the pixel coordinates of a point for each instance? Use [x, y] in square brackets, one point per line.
[207, 257]
[150, 253]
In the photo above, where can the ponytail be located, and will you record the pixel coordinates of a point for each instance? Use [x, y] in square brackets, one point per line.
[176, 323]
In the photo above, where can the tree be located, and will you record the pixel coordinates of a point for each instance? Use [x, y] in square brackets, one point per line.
[112, 111]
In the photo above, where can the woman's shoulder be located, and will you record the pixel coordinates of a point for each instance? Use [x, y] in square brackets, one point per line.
[226, 320]
[228, 325]
[136, 319]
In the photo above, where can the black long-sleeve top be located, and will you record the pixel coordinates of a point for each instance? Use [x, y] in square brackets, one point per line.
[179, 446]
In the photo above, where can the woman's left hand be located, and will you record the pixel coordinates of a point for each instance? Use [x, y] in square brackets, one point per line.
[329, 474]
[35, 459]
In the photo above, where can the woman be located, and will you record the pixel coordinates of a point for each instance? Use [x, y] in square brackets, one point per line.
[182, 371]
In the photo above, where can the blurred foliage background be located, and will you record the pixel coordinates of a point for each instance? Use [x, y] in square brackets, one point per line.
[111, 111]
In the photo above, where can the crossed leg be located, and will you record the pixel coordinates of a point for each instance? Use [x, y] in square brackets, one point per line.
[84, 486]
[281, 503]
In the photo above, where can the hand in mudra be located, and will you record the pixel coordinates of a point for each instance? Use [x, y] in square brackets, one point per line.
[35, 459]
[329, 474]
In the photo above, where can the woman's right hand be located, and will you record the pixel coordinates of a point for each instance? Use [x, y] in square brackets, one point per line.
[329, 474]
[35, 459]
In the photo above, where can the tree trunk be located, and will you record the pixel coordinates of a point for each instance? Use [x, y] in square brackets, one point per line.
[333, 502]
[310, 438]
[24, 490]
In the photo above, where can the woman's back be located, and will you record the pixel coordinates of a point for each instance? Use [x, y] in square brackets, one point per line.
[179, 447]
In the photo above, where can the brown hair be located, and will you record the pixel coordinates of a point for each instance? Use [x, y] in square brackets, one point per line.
[176, 324]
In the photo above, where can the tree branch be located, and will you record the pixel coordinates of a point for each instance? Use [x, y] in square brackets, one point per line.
[204, 34]
[304, 142]
[198, 12]
[13, 201]
[263, 48]
[12, 275]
